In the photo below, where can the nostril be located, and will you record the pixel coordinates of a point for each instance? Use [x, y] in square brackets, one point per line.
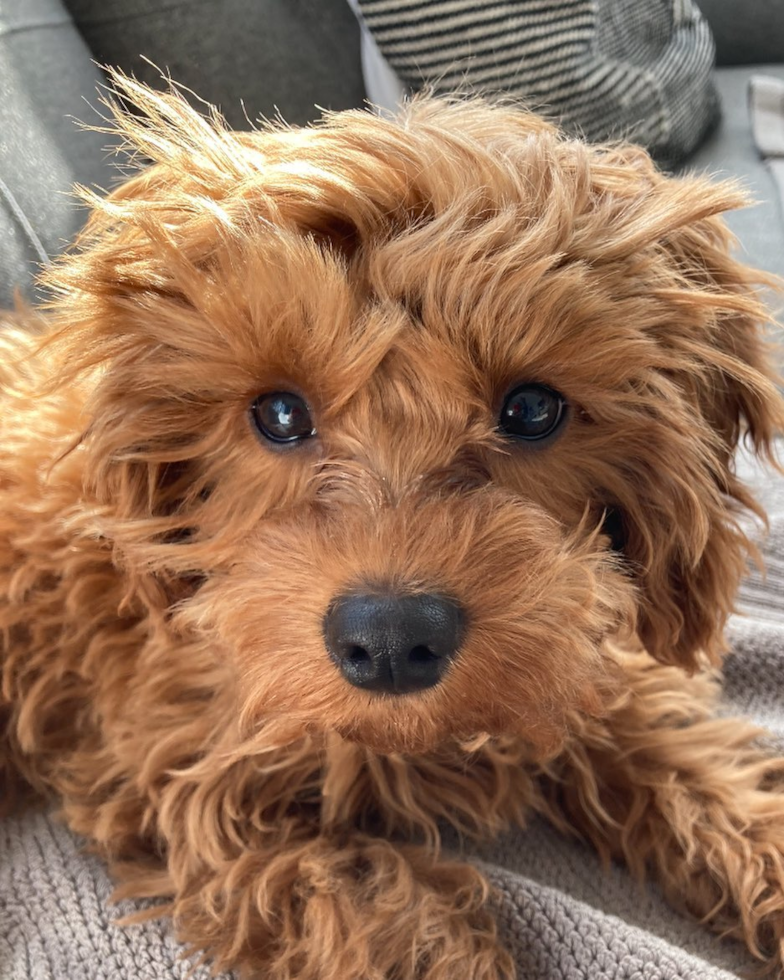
[422, 655]
[357, 655]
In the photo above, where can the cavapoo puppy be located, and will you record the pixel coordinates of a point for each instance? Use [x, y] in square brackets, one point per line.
[372, 478]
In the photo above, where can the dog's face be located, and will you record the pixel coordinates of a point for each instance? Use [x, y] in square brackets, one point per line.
[411, 417]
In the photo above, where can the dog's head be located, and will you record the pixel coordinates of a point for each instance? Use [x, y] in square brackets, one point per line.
[408, 417]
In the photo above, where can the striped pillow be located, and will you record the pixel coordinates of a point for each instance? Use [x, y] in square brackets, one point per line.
[637, 69]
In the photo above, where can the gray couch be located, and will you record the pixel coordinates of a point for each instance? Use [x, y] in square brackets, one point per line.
[273, 54]
[562, 916]
[749, 41]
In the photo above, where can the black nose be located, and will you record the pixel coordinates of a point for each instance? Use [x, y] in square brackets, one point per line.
[393, 643]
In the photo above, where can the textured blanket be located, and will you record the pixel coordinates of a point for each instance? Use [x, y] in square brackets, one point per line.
[563, 916]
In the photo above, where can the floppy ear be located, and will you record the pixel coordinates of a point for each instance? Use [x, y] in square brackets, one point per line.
[718, 390]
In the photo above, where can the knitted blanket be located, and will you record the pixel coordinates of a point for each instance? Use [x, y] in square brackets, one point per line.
[562, 915]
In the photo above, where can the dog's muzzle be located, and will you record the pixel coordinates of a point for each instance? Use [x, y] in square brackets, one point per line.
[395, 644]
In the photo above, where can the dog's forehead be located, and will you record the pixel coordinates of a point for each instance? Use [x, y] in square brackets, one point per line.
[505, 243]
[478, 240]
[426, 311]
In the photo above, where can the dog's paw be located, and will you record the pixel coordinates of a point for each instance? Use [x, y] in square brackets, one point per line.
[360, 909]
[741, 889]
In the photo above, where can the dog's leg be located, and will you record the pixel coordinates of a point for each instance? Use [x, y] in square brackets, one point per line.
[287, 872]
[355, 908]
[690, 798]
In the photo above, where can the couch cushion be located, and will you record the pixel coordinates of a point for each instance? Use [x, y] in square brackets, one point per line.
[287, 55]
[730, 152]
[45, 75]
[747, 32]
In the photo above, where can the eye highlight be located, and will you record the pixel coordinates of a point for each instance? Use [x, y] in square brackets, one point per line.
[282, 417]
[532, 412]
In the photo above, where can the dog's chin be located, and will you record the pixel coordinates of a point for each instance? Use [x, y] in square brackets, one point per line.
[540, 745]
[410, 725]
[381, 743]
[403, 726]
[424, 722]
[398, 740]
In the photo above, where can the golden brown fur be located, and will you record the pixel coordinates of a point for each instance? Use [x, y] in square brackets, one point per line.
[164, 575]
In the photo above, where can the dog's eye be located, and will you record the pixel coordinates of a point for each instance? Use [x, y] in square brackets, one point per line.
[531, 412]
[282, 416]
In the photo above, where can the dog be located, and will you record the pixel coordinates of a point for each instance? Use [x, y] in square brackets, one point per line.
[371, 478]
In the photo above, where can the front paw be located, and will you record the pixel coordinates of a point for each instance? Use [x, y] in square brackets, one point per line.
[728, 870]
[363, 909]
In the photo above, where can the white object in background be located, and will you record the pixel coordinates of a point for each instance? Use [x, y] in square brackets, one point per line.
[766, 101]
[384, 89]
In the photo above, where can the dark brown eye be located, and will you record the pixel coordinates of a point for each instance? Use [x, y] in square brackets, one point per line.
[531, 412]
[282, 416]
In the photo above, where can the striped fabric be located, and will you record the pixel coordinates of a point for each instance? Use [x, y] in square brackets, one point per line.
[638, 69]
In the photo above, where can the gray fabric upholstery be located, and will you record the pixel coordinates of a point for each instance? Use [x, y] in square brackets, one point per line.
[746, 32]
[730, 152]
[286, 54]
[45, 72]
[289, 54]
[56, 918]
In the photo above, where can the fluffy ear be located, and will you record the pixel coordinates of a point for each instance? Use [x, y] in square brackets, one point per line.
[719, 389]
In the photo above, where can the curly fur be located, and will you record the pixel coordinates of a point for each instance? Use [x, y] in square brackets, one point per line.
[164, 575]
